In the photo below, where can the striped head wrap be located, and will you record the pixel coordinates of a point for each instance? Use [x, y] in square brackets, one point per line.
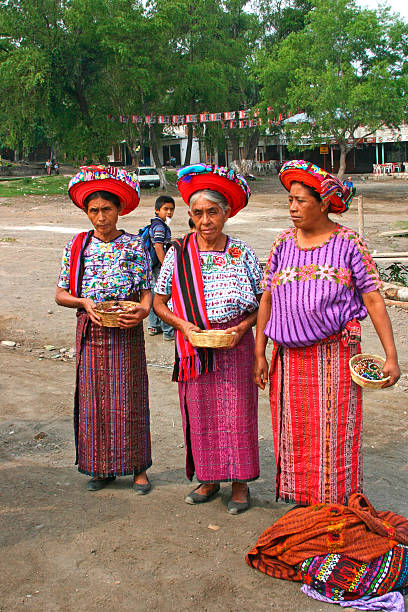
[330, 188]
[105, 178]
[231, 185]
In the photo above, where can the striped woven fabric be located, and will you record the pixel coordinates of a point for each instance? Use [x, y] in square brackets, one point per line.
[316, 423]
[220, 416]
[341, 578]
[187, 295]
[112, 407]
[357, 531]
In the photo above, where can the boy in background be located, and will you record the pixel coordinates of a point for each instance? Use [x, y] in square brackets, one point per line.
[160, 235]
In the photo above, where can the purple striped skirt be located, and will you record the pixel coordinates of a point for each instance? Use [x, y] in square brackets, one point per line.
[220, 416]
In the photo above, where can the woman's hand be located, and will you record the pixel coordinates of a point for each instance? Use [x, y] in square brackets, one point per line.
[391, 368]
[239, 330]
[133, 316]
[260, 371]
[89, 305]
[186, 327]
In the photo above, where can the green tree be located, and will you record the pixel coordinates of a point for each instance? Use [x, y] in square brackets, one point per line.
[346, 70]
[280, 18]
[197, 34]
[51, 64]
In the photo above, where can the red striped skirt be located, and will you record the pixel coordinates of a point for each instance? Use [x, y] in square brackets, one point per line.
[220, 416]
[317, 421]
[112, 429]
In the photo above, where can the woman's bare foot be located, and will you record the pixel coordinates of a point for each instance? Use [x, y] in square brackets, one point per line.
[141, 478]
[206, 488]
[239, 492]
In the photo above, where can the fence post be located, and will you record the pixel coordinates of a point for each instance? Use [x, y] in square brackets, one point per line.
[360, 209]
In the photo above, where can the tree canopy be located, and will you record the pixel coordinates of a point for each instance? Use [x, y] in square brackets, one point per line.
[345, 74]
[66, 64]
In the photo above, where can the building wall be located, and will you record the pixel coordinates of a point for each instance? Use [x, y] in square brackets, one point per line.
[166, 146]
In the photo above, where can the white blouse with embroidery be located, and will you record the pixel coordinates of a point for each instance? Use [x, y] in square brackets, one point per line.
[231, 280]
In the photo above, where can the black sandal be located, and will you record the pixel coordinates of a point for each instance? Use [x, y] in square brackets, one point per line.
[197, 498]
[238, 507]
[96, 484]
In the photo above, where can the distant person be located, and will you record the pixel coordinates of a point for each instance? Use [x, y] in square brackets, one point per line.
[48, 166]
[349, 183]
[160, 236]
[56, 167]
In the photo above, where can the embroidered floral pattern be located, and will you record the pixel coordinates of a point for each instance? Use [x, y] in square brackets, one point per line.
[231, 280]
[235, 252]
[113, 269]
[369, 263]
[213, 263]
[283, 237]
[341, 276]
[326, 274]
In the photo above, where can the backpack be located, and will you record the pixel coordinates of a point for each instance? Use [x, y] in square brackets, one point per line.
[144, 233]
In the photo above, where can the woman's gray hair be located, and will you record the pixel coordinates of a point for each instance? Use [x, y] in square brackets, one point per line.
[212, 196]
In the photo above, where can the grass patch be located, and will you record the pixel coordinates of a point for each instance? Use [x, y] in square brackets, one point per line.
[402, 225]
[8, 239]
[171, 176]
[41, 185]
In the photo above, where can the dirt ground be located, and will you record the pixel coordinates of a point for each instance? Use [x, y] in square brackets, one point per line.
[65, 549]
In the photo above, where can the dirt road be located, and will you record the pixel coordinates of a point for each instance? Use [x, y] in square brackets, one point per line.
[65, 549]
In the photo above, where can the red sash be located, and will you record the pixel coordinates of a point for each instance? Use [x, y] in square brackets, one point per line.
[76, 262]
[187, 296]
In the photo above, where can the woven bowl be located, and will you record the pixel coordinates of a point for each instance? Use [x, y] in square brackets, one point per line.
[110, 319]
[364, 382]
[212, 338]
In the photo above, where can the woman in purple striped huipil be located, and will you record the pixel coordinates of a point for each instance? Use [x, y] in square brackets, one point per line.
[320, 281]
[111, 414]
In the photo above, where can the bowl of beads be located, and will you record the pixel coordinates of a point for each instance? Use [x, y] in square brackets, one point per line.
[366, 370]
[110, 310]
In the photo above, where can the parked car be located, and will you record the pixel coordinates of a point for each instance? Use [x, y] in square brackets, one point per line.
[148, 177]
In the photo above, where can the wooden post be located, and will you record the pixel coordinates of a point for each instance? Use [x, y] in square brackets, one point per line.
[360, 209]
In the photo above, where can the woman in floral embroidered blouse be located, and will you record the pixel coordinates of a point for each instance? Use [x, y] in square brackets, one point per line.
[112, 431]
[213, 281]
[320, 281]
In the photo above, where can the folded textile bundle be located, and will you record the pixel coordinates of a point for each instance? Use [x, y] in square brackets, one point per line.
[356, 531]
[341, 578]
[391, 602]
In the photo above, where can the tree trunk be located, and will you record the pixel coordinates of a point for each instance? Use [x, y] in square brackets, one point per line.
[250, 145]
[343, 155]
[190, 132]
[136, 150]
[156, 158]
[234, 139]
[135, 153]
[136, 144]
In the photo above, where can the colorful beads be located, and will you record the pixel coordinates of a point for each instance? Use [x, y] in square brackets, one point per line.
[368, 369]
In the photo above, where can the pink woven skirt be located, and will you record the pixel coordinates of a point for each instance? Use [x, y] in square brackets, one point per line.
[220, 416]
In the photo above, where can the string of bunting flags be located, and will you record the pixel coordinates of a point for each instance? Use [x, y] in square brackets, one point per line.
[231, 119]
